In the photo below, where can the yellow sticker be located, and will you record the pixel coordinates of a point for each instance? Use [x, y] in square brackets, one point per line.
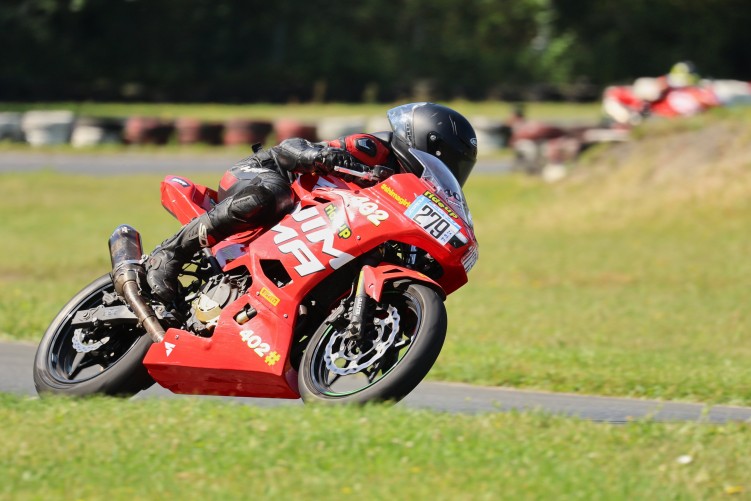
[343, 231]
[272, 358]
[436, 200]
[269, 296]
[393, 194]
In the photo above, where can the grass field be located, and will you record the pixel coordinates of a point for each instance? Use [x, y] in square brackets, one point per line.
[631, 278]
[189, 449]
[490, 109]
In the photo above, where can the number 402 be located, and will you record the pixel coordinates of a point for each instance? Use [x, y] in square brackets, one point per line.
[373, 213]
[255, 342]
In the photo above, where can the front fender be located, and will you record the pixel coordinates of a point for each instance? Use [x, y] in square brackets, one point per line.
[375, 277]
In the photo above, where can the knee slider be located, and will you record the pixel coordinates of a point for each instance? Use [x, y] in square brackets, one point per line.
[251, 204]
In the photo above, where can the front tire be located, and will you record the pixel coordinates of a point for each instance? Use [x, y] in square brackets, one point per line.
[113, 368]
[409, 334]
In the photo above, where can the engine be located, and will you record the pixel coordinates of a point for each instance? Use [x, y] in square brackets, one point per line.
[210, 298]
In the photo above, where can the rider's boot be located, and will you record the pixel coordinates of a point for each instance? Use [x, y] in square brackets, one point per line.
[251, 206]
[166, 261]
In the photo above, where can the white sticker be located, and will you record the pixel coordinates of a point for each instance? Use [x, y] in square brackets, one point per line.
[469, 260]
[168, 347]
[432, 219]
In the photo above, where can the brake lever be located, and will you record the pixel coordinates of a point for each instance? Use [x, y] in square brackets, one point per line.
[383, 172]
[375, 173]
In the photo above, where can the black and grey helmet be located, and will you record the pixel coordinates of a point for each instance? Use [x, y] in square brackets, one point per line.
[437, 130]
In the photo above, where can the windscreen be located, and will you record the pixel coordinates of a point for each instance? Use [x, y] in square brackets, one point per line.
[444, 183]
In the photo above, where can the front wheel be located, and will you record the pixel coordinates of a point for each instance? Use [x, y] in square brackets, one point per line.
[81, 361]
[384, 363]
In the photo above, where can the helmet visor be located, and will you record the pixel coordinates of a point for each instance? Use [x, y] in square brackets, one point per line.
[401, 120]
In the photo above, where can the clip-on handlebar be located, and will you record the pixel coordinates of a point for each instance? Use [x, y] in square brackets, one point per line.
[367, 173]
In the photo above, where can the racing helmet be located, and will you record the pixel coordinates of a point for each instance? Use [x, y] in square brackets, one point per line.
[437, 130]
[683, 74]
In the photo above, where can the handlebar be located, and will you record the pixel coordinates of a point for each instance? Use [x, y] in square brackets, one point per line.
[375, 173]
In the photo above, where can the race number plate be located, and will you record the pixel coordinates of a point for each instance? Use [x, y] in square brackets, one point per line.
[432, 219]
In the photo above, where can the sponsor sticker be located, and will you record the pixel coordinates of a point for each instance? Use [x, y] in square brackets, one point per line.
[432, 219]
[393, 194]
[269, 296]
[440, 203]
[168, 347]
[341, 228]
[470, 258]
[315, 229]
[263, 350]
[181, 182]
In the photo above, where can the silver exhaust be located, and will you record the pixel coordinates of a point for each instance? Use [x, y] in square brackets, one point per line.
[127, 273]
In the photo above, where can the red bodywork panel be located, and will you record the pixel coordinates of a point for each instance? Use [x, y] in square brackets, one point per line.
[184, 199]
[334, 223]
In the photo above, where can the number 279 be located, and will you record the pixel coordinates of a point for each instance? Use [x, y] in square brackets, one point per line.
[435, 224]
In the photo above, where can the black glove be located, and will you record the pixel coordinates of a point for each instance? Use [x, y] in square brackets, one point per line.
[329, 157]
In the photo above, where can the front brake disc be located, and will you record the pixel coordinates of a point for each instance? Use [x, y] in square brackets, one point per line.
[385, 329]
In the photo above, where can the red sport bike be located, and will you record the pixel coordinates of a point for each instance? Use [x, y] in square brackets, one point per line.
[341, 301]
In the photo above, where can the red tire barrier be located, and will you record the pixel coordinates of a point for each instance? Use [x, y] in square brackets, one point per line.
[286, 129]
[242, 132]
[192, 131]
[147, 130]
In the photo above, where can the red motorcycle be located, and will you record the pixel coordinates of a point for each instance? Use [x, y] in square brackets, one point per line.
[342, 301]
[630, 104]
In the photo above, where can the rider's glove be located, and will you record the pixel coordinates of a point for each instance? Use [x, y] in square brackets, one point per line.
[329, 157]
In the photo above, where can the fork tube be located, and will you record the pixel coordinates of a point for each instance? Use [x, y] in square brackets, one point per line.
[359, 306]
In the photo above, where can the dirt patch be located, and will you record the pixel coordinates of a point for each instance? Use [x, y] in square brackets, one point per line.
[711, 154]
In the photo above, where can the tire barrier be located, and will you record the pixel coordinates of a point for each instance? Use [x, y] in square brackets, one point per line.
[243, 132]
[10, 127]
[147, 130]
[194, 131]
[43, 128]
[91, 131]
[286, 129]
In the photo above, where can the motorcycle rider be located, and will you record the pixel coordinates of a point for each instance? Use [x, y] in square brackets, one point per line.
[256, 191]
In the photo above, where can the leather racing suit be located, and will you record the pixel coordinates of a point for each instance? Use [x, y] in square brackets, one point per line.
[256, 192]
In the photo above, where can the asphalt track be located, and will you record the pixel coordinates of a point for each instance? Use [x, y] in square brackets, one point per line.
[110, 164]
[16, 359]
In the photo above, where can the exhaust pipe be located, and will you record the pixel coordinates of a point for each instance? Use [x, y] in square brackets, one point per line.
[127, 273]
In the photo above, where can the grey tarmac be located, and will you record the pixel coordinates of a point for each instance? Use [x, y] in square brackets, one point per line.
[116, 164]
[16, 361]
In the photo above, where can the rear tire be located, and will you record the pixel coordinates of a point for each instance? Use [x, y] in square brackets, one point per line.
[421, 318]
[115, 368]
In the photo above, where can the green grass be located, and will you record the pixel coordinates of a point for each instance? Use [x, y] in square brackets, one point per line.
[189, 449]
[491, 109]
[632, 278]
[652, 307]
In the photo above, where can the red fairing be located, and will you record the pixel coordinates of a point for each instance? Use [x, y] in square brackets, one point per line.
[376, 278]
[334, 224]
[184, 199]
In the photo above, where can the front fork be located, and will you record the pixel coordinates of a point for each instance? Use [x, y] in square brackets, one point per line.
[362, 308]
[361, 313]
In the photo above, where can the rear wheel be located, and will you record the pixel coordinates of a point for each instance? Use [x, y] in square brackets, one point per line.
[88, 360]
[385, 363]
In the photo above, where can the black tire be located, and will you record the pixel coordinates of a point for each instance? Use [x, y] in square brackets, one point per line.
[116, 370]
[422, 321]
